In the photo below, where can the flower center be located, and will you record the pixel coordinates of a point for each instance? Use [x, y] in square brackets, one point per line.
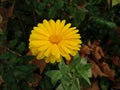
[55, 39]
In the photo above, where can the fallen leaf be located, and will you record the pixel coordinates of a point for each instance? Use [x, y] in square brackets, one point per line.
[108, 71]
[1, 80]
[37, 0]
[36, 82]
[94, 86]
[1, 18]
[85, 51]
[116, 84]
[71, 59]
[10, 10]
[118, 30]
[96, 70]
[98, 53]
[3, 13]
[39, 63]
[83, 4]
[116, 61]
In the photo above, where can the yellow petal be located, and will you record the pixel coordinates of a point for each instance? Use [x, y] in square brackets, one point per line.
[62, 24]
[66, 27]
[52, 24]
[71, 46]
[72, 42]
[40, 55]
[38, 37]
[64, 53]
[55, 51]
[47, 26]
[47, 60]
[40, 30]
[73, 52]
[50, 59]
[48, 51]
[44, 47]
[57, 26]
[74, 36]
[59, 59]
[38, 43]
[34, 51]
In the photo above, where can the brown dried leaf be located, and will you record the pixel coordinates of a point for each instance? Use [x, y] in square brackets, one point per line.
[83, 4]
[37, 0]
[98, 53]
[108, 71]
[39, 63]
[85, 50]
[94, 86]
[89, 43]
[68, 62]
[96, 71]
[118, 30]
[36, 82]
[95, 44]
[116, 84]
[1, 18]
[115, 60]
[3, 13]
[10, 9]
[1, 80]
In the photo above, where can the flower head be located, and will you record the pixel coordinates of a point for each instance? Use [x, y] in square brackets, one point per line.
[52, 40]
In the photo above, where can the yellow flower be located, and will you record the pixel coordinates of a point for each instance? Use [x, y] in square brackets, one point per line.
[52, 40]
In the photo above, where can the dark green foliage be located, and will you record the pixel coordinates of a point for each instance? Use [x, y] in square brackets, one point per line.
[16, 71]
[95, 22]
[70, 76]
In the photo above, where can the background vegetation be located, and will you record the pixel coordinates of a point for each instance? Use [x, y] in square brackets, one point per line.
[98, 22]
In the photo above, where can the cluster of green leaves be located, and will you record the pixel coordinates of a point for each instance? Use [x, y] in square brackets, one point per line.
[16, 72]
[58, 9]
[15, 69]
[71, 77]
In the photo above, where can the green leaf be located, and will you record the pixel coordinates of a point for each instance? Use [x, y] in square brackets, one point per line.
[21, 47]
[74, 62]
[1, 32]
[95, 1]
[55, 75]
[59, 4]
[12, 43]
[104, 23]
[1, 69]
[65, 84]
[63, 67]
[18, 33]
[52, 12]
[27, 58]
[78, 15]
[75, 85]
[83, 71]
[115, 2]
[5, 55]
[59, 87]
[83, 61]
